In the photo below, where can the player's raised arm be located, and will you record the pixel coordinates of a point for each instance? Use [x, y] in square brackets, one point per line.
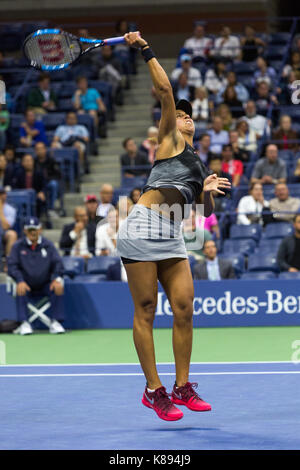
[161, 84]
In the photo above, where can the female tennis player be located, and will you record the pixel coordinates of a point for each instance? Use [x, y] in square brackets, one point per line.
[151, 245]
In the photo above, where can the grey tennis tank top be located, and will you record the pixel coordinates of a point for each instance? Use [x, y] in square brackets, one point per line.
[185, 172]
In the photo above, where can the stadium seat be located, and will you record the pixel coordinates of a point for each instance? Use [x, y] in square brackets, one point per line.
[287, 275]
[53, 120]
[292, 111]
[280, 38]
[100, 264]
[268, 245]
[237, 260]
[275, 52]
[65, 105]
[286, 155]
[118, 192]
[192, 261]
[244, 68]
[245, 231]
[90, 278]
[73, 265]
[244, 247]
[259, 275]
[278, 230]
[24, 201]
[262, 262]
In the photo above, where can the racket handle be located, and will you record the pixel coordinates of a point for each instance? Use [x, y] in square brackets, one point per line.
[112, 41]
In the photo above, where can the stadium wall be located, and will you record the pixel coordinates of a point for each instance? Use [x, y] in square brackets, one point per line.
[225, 303]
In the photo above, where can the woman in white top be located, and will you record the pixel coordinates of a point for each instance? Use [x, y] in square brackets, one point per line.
[200, 105]
[250, 207]
[247, 137]
[106, 235]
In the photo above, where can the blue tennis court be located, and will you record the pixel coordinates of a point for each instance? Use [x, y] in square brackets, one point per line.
[255, 405]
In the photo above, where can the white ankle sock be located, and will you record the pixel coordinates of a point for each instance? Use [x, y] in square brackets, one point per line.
[149, 390]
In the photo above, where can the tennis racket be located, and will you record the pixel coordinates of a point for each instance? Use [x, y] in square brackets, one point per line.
[54, 49]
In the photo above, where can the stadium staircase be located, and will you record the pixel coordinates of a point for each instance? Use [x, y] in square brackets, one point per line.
[132, 120]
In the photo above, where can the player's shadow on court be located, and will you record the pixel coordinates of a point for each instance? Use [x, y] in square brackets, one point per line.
[185, 428]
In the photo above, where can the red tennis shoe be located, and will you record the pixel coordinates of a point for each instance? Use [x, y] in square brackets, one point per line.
[160, 402]
[187, 396]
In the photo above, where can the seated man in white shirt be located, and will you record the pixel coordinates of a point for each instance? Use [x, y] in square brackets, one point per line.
[193, 74]
[257, 123]
[7, 220]
[250, 207]
[199, 45]
[213, 268]
[78, 238]
[106, 234]
[226, 46]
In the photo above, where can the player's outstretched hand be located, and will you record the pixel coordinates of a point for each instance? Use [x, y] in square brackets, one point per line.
[134, 39]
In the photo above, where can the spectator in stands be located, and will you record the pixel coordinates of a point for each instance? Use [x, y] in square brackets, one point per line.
[92, 58]
[213, 268]
[12, 163]
[5, 175]
[194, 236]
[37, 268]
[193, 75]
[4, 123]
[285, 133]
[8, 215]
[88, 100]
[209, 223]
[215, 78]
[182, 90]
[133, 158]
[282, 203]
[226, 46]
[246, 136]
[203, 148]
[218, 136]
[199, 45]
[251, 45]
[71, 134]
[106, 235]
[47, 165]
[201, 105]
[110, 70]
[135, 194]
[242, 93]
[106, 197]
[91, 205]
[78, 238]
[42, 98]
[264, 73]
[231, 100]
[293, 65]
[288, 89]
[288, 256]
[30, 178]
[150, 145]
[250, 207]
[259, 124]
[296, 175]
[263, 97]
[270, 169]
[238, 153]
[124, 206]
[32, 131]
[215, 166]
[231, 166]
[223, 111]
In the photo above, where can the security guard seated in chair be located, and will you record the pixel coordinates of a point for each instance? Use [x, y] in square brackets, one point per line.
[37, 268]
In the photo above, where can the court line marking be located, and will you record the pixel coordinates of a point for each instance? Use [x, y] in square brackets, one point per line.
[138, 364]
[141, 374]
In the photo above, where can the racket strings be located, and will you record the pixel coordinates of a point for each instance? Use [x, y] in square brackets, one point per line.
[52, 49]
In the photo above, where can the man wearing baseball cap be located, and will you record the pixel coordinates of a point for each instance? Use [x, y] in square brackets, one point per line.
[37, 268]
[193, 74]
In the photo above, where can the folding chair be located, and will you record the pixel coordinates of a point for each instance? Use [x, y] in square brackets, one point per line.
[37, 310]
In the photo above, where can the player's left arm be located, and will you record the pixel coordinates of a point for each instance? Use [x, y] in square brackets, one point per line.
[212, 184]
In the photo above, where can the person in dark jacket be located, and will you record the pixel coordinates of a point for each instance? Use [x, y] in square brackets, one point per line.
[37, 268]
[47, 165]
[42, 98]
[29, 178]
[133, 157]
[78, 238]
[213, 268]
[288, 256]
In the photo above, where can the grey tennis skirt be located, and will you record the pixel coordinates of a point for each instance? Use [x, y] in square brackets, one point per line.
[146, 235]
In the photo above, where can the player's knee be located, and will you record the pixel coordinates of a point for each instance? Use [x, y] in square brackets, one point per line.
[147, 308]
[183, 311]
